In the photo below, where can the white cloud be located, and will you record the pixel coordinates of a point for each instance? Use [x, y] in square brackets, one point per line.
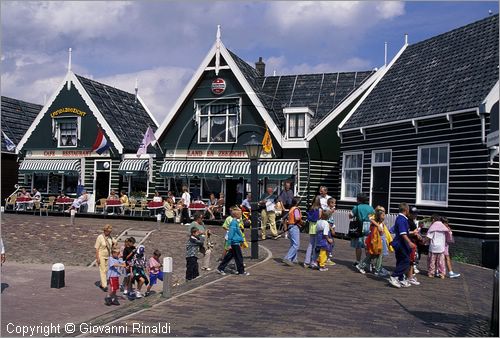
[390, 9]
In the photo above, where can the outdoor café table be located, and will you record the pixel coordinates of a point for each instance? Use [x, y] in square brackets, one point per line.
[61, 202]
[22, 202]
[197, 207]
[113, 204]
[155, 206]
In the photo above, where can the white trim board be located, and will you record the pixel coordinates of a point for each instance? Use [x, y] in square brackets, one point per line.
[241, 79]
[71, 77]
[147, 110]
[492, 97]
[383, 70]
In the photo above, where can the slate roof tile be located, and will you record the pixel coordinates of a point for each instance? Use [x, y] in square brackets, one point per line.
[322, 93]
[17, 117]
[448, 72]
[128, 119]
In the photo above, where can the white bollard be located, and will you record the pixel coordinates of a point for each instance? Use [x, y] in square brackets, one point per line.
[167, 277]
[158, 220]
[57, 278]
[73, 214]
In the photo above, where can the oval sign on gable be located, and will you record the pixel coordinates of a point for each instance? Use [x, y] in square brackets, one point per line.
[218, 86]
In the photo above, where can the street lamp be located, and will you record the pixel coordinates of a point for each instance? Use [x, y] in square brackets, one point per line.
[254, 148]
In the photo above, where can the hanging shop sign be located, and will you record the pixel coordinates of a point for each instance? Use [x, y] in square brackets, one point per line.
[67, 110]
[218, 86]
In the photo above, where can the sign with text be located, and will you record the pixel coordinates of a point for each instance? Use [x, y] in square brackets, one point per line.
[209, 154]
[67, 110]
[64, 153]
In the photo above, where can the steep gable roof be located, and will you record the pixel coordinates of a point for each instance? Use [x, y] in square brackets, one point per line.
[449, 72]
[127, 118]
[17, 117]
[321, 93]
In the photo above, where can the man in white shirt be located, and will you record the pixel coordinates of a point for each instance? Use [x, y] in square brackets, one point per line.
[36, 194]
[246, 202]
[323, 197]
[268, 214]
[186, 201]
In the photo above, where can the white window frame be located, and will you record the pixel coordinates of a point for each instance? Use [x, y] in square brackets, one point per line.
[381, 164]
[343, 188]
[204, 102]
[306, 112]
[288, 127]
[57, 122]
[419, 200]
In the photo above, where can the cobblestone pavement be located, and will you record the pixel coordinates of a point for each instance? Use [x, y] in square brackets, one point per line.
[278, 300]
[274, 300]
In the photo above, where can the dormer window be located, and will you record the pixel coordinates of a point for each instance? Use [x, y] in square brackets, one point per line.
[297, 125]
[297, 122]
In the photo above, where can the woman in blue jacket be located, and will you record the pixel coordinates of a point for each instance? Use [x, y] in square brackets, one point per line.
[235, 240]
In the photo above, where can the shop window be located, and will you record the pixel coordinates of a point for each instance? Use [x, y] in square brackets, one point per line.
[138, 186]
[296, 125]
[352, 174]
[195, 188]
[175, 185]
[67, 131]
[211, 186]
[70, 184]
[55, 184]
[218, 121]
[432, 178]
[41, 182]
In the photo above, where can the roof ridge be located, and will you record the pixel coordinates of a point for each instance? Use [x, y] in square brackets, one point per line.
[467, 26]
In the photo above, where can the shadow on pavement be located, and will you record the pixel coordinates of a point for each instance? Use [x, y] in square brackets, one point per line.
[462, 325]
[4, 286]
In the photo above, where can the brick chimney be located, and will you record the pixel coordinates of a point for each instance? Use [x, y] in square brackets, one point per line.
[260, 67]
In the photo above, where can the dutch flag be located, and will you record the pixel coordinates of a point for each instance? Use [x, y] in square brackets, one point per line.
[101, 143]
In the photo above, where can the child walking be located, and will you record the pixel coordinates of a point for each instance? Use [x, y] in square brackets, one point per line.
[139, 270]
[155, 273]
[193, 246]
[324, 240]
[332, 203]
[127, 255]
[113, 275]
[235, 239]
[438, 234]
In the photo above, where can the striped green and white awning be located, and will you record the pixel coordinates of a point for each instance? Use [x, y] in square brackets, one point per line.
[133, 167]
[229, 169]
[59, 166]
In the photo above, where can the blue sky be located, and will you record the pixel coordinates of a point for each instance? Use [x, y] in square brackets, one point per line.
[162, 42]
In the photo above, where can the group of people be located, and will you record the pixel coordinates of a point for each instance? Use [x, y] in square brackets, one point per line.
[127, 261]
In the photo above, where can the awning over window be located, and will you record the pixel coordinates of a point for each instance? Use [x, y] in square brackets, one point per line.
[229, 169]
[50, 166]
[133, 167]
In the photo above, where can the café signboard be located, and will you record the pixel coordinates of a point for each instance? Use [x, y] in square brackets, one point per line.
[75, 111]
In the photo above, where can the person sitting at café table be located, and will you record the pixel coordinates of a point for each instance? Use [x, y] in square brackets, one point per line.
[78, 202]
[171, 195]
[36, 195]
[24, 193]
[123, 200]
[170, 210]
[157, 197]
[212, 204]
[113, 196]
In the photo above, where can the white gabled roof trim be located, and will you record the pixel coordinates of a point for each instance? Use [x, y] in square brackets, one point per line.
[71, 77]
[383, 71]
[148, 111]
[104, 124]
[40, 115]
[492, 97]
[319, 127]
[243, 82]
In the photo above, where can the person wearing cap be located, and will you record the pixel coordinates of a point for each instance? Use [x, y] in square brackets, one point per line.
[139, 270]
[103, 249]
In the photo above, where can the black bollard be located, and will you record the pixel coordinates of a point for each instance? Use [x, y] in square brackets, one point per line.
[57, 279]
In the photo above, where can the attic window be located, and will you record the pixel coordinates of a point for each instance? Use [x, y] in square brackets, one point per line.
[296, 125]
[67, 132]
[218, 121]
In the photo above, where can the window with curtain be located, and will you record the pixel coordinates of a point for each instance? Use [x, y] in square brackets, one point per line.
[67, 131]
[218, 121]
[432, 186]
[296, 125]
[352, 174]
